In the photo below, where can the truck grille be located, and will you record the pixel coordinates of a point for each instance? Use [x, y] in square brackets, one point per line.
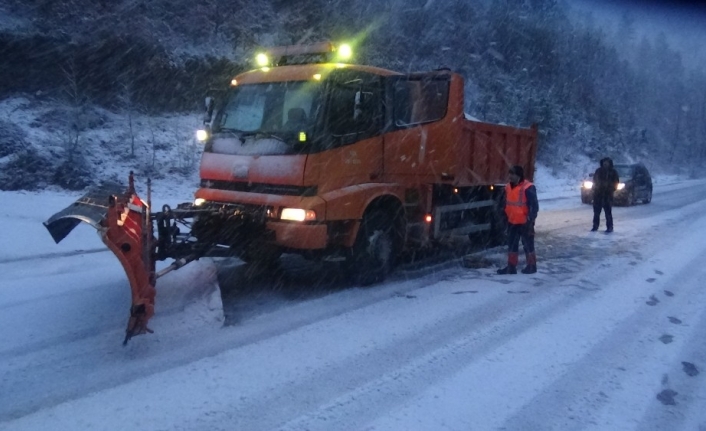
[270, 189]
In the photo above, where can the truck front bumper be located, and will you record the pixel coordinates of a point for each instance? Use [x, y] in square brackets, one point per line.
[299, 236]
[288, 234]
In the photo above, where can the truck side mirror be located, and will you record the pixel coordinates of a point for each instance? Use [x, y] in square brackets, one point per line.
[363, 109]
[357, 106]
[208, 116]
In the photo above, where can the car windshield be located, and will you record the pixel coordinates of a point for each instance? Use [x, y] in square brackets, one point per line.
[624, 171]
[266, 118]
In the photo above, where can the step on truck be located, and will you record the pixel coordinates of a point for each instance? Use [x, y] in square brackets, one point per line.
[311, 154]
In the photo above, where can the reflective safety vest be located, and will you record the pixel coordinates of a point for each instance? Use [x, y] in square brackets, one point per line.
[516, 207]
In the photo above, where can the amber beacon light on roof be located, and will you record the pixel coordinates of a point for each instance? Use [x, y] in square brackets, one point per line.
[322, 52]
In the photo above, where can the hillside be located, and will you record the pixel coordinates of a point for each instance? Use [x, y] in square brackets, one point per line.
[76, 73]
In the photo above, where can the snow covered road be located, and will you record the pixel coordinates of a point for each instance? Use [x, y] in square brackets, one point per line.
[608, 335]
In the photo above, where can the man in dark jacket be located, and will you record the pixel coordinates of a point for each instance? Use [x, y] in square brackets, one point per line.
[521, 207]
[605, 182]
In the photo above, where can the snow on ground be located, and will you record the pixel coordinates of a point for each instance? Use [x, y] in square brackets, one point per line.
[572, 347]
[602, 338]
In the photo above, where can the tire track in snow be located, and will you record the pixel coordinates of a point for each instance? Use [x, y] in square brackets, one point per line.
[159, 358]
[52, 255]
[467, 340]
[445, 346]
[584, 397]
[326, 422]
[162, 351]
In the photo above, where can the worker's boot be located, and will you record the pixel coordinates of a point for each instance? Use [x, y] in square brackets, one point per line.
[511, 267]
[531, 267]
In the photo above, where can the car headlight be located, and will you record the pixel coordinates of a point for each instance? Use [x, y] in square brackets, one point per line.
[588, 184]
[297, 214]
[621, 186]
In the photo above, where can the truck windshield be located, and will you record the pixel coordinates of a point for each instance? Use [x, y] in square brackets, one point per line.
[267, 118]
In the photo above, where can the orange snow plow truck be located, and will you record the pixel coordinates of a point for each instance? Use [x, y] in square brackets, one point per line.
[309, 154]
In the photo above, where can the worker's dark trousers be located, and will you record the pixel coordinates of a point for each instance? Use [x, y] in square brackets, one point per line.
[606, 204]
[517, 232]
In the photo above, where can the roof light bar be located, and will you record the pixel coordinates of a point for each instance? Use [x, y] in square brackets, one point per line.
[316, 48]
[304, 54]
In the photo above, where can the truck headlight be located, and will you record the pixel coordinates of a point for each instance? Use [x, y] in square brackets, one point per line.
[621, 186]
[297, 214]
[202, 135]
[199, 201]
[588, 184]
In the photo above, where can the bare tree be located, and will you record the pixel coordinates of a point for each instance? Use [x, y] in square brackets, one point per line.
[129, 107]
[702, 122]
[77, 101]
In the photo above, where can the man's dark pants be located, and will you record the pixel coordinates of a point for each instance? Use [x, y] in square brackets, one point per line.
[605, 203]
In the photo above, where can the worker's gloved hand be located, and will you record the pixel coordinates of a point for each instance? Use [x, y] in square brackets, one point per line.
[529, 227]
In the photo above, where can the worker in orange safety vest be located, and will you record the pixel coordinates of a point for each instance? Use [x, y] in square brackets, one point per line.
[521, 208]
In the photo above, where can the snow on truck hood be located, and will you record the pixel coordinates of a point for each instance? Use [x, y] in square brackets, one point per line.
[232, 159]
[250, 146]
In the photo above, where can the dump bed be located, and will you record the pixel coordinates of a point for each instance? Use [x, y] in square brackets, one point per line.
[483, 151]
[488, 150]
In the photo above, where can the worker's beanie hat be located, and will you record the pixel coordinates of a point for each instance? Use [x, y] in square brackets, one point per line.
[517, 170]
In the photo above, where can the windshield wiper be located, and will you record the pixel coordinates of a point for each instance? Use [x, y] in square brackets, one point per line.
[242, 134]
[261, 134]
[236, 131]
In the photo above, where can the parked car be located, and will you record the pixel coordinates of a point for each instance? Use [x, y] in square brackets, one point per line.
[635, 185]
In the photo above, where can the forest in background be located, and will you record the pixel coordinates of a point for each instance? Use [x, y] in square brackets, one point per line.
[593, 92]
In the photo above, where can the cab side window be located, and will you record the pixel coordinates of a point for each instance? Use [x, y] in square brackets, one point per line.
[418, 101]
[354, 107]
[344, 114]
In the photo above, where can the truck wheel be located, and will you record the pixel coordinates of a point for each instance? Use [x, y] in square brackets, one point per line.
[372, 254]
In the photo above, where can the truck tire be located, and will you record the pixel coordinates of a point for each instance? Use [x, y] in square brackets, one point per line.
[373, 253]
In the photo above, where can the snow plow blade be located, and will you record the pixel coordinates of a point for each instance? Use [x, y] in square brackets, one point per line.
[123, 222]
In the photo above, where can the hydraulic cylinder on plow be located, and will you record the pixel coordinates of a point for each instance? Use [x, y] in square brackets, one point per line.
[125, 224]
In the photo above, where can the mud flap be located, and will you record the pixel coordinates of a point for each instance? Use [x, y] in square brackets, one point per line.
[123, 222]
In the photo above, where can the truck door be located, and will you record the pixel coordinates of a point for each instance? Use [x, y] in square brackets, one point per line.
[414, 103]
[350, 150]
